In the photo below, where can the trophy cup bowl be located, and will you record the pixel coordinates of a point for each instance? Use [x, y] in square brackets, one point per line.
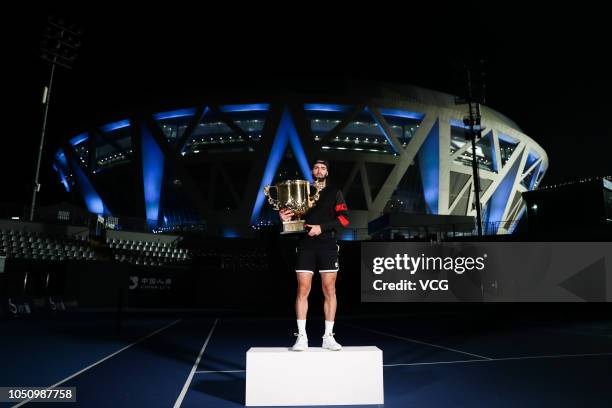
[295, 196]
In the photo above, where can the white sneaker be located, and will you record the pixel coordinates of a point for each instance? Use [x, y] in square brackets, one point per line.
[301, 343]
[330, 343]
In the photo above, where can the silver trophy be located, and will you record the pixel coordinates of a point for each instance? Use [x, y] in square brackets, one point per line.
[294, 195]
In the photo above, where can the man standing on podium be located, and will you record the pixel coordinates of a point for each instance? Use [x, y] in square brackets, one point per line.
[318, 250]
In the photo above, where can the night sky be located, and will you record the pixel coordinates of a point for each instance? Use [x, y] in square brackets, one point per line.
[550, 73]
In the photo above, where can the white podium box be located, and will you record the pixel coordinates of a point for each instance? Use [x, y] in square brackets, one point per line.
[280, 376]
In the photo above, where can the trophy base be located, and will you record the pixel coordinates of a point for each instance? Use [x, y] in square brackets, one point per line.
[293, 227]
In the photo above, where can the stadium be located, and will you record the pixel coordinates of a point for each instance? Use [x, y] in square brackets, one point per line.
[392, 148]
[435, 269]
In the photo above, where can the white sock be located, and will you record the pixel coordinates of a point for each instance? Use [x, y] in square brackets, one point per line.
[329, 326]
[301, 326]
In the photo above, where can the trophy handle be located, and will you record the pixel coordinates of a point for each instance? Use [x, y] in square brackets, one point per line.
[273, 202]
[315, 197]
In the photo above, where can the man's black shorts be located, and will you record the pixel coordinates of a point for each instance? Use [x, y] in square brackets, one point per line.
[323, 260]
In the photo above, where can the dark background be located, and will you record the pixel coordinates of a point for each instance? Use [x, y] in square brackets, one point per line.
[547, 70]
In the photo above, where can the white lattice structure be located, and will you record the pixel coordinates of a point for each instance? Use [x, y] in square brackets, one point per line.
[391, 147]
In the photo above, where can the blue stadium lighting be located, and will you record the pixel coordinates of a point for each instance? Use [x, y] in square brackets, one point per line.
[229, 232]
[63, 179]
[60, 158]
[429, 163]
[183, 146]
[285, 134]
[93, 201]
[506, 138]
[296, 146]
[326, 107]
[253, 107]
[495, 160]
[518, 218]
[115, 125]
[531, 158]
[534, 176]
[153, 172]
[174, 114]
[457, 123]
[346, 235]
[499, 199]
[78, 139]
[382, 130]
[402, 114]
[385, 130]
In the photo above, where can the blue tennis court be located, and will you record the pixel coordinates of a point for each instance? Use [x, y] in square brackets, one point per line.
[451, 360]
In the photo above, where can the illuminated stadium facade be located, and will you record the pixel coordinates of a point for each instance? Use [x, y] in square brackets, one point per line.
[391, 148]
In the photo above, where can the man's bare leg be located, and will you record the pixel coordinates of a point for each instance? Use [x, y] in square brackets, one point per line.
[304, 281]
[328, 281]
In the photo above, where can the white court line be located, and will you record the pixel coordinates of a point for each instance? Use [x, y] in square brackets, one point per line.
[415, 341]
[455, 361]
[581, 333]
[179, 401]
[102, 360]
[502, 359]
